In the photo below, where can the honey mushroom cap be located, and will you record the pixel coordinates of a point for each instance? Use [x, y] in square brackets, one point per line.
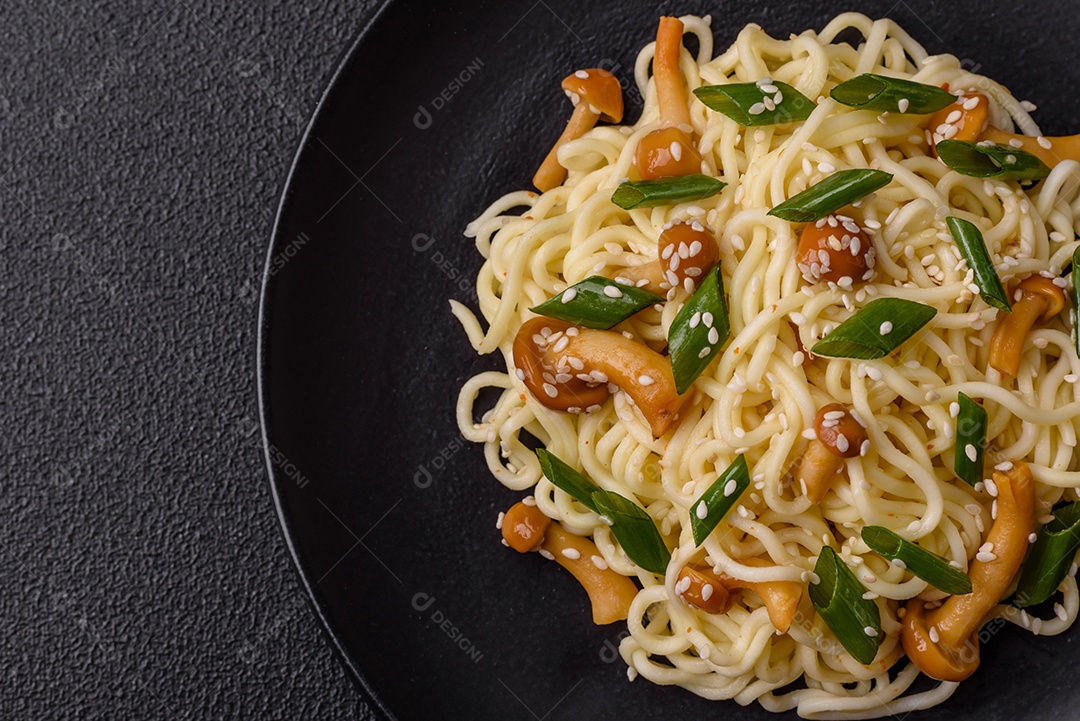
[534, 361]
[842, 435]
[666, 153]
[702, 589]
[971, 123]
[696, 267]
[781, 598]
[524, 526]
[1040, 300]
[955, 655]
[849, 253]
[598, 89]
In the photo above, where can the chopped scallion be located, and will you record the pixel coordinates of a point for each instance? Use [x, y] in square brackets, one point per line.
[989, 160]
[711, 507]
[970, 440]
[880, 93]
[698, 331]
[1051, 556]
[566, 478]
[830, 195]
[635, 530]
[753, 104]
[969, 239]
[838, 598]
[861, 337]
[665, 191]
[928, 566]
[597, 302]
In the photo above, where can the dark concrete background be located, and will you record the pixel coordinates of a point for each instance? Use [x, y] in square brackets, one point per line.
[142, 148]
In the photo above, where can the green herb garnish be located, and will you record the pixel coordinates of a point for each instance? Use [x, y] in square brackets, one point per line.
[665, 191]
[969, 239]
[880, 93]
[597, 302]
[928, 566]
[834, 192]
[970, 441]
[838, 598]
[711, 507]
[753, 104]
[876, 330]
[698, 331]
[989, 160]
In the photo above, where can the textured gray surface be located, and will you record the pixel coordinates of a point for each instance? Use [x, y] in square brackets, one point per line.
[143, 144]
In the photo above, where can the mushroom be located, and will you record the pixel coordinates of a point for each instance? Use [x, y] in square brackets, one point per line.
[669, 151]
[700, 587]
[839, 435]
[968, 119]
[835, 249]
[525, 528]
[781, 598]
[687, 251]
[568, 368]
[1040, 300]
[943, 642]
[596, 95]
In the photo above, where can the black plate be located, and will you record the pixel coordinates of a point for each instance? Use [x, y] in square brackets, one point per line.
[389, 514]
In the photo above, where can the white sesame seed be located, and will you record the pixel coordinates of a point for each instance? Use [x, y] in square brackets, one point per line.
[842, 443]
[702, 510]
[971, 452]
[599, 562]
[729, 488]
[645, 380]
[704, 352]
[707, 319]
[550, 390]
[714, 336]
[870, 631]
[572, 553]
[865, 447]
[706, 591]
[1032, 537]
[546, 554]
[934, 636]
[612, 292]
[902, 105]
[885, 328]
[683, 585]
[676, 150]
[569, 295]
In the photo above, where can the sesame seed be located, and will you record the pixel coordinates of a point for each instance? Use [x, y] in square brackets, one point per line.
[645, 380]
[985, 557]
[902, 105]
[757, 109]
[683, 585]
[870, 631]
[1032, 537]
[704, 352]
[583, 74]
[707, 319]
[572, 553]
[706, 591]
[842, 443]
[865, 447]
[971, 452]
[676, 150]
[569, 295]
[885, 328]
[1004, 466]
[612, 292]
[714, 336]
[550, 390]
[702, 510]
[934, 636]
[599, 562]
[546, 554]
[729, 488]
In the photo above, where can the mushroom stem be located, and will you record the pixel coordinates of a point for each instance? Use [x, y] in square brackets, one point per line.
[817, 470]
[670, 88]
[610, 593]
[943, 642]
[781, 598]
[643, 373]
[1040, 300]
[551, 174]
[652, 273]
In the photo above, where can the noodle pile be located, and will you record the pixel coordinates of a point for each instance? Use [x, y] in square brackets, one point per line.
[762, 394]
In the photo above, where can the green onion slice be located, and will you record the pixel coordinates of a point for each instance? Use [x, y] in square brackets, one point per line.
[1076, 297]
[563, 476]
[752, 104]
[597, 302]
[834, 192]
[876, 330]
[711, 507]
[989, 160]
[665, 191]
[1051, 557]
[635, 530]
[877, 92]
[838, 598]
[928, 566]
[698, 331]
[969, 239]
[970, 440]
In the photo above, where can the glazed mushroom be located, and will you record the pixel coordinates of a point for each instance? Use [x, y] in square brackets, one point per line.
[839, 436]
[835, 249]
[1039, 301]
[944, 642]
[596, 95]
[781, 598]
[968, 119]
[699, 587]
[569, 368]
[669, 151]
[525, 528]
[687, 252]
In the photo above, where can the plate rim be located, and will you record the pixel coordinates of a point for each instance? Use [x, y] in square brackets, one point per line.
[360, 681]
